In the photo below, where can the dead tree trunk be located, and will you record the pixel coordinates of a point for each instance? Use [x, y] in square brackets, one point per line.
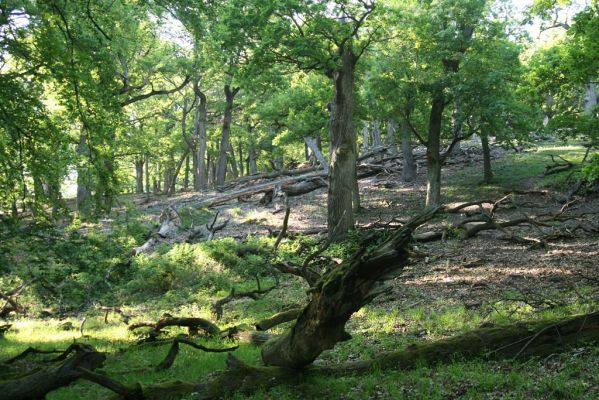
[365, 139]
[337, 296]
[311, 143]
[39, 383]
[202, 176]
[224, 144]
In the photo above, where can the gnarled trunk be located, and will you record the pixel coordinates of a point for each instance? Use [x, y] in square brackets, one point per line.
[224, 143]
[337, 296]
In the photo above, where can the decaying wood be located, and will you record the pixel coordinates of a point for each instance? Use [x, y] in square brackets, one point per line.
[217, 306]
[10, 300]
[40, 382]
[277, 319]
[28, 351]
[174, 351]
[192, 324]
[170, 227]
[4, 328]
[337, 295]
[512, 341]
[107, 310]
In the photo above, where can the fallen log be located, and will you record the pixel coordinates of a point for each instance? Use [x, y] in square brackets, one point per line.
[192, 324]
[277, 319]
[337, 295]
[38, 384]
[174, 351]
[217, 306]
[512, 341]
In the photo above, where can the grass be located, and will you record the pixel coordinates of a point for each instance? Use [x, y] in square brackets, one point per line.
[515, 171]
[185, 279]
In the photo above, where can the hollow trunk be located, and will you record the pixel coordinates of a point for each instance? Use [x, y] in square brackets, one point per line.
[342, 170]
[487, 171]
[226, 130]
[433, 157]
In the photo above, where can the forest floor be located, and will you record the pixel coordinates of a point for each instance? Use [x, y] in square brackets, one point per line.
[455, 286]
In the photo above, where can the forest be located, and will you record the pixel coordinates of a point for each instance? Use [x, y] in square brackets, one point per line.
[299, 199]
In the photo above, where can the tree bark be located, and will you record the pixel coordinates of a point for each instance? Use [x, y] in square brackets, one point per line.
[311, 143]
[173, 175]
[233, 162]
[391, 136]
[433, 157]
[147, 167]
[365, 139]
[342, 170]
[139, 175]
[408, 171]
[83, 176]
[591, 98]
[201, 172]
[240, 154]
[487, 170]
[42, 381]
[339, 294]
[226, 130]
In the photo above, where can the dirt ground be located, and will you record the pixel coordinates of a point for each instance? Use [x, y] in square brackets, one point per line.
[467, 271]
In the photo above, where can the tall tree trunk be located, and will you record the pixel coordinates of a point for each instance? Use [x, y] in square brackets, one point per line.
[591, 98]
[408, 171]
[201, 173]
[139, 174]
[456, 125]
[311, 143]
[391, 136]
[240, 153]
[365, 139]
[233, 162]
[224, 144]
[174, 173]
[342, 171]
[186, 175]
[487, 171]
[252, 165]
[83, 176]
[376, 134]
[147, 164]
[433, 157]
